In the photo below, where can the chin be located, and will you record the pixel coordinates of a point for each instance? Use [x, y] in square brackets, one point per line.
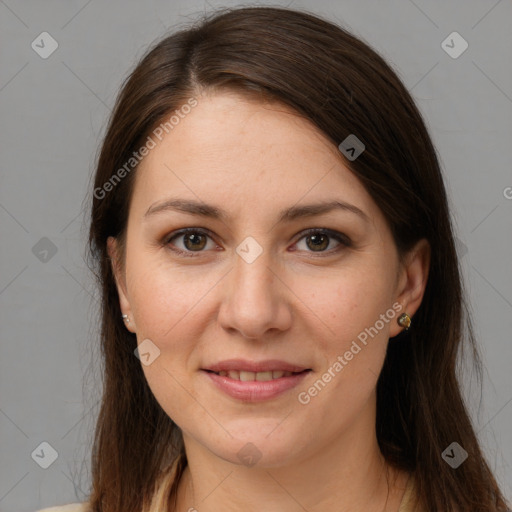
[258, 445]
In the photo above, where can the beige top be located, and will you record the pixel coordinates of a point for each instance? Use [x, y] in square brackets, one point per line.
[158, 503]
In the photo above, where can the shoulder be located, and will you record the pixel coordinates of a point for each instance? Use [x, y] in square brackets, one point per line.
[409, 497]
[72, 507]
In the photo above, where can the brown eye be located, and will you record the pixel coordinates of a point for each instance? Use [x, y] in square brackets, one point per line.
[318, 240]
[193, 240]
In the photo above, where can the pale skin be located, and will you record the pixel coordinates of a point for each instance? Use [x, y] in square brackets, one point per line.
[296, 302]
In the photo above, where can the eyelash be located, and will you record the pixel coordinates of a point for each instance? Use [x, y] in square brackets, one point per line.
[339, 237]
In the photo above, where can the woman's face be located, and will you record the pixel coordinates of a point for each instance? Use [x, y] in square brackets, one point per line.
[251, 284]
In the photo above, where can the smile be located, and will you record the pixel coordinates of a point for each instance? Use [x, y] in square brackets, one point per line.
[246, 376]
[249, 386]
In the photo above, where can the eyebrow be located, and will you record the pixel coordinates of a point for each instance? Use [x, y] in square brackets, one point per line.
[288, 214]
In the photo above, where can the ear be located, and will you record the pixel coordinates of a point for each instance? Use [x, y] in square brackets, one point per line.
[119, 275]
[411, 282]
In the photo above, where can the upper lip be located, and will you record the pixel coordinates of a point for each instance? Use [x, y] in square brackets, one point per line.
[254, 366]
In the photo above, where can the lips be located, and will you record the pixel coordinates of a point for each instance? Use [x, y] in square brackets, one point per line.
[253, 381]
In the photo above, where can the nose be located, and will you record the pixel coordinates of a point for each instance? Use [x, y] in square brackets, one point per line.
[255, 300]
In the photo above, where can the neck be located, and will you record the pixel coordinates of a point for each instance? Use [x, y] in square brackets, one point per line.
[348, 474]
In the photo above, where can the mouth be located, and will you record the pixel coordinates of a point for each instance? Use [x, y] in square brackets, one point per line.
[247, 376]
[248, 381]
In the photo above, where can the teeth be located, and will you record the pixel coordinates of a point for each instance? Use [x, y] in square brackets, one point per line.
[263, 376]
[254, 376]
[245, 376]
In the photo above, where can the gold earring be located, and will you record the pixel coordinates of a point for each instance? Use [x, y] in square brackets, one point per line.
[404, 320]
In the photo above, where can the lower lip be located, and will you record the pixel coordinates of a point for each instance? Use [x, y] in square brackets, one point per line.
[255, 391]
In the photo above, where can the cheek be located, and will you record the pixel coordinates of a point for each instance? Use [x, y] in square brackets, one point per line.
[163, 303]
[162, 298]
[349, 305]
[355, 344]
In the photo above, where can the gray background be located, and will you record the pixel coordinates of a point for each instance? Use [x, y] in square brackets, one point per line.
[53, 114]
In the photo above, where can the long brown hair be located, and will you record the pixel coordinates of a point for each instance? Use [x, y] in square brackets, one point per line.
[343, 86]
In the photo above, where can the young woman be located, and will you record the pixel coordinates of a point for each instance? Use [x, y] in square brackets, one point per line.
[282, 303]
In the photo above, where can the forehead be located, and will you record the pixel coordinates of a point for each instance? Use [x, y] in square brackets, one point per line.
[228, 124]
[235, 148]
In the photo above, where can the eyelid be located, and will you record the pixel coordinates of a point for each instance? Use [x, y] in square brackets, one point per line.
[185, 231]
